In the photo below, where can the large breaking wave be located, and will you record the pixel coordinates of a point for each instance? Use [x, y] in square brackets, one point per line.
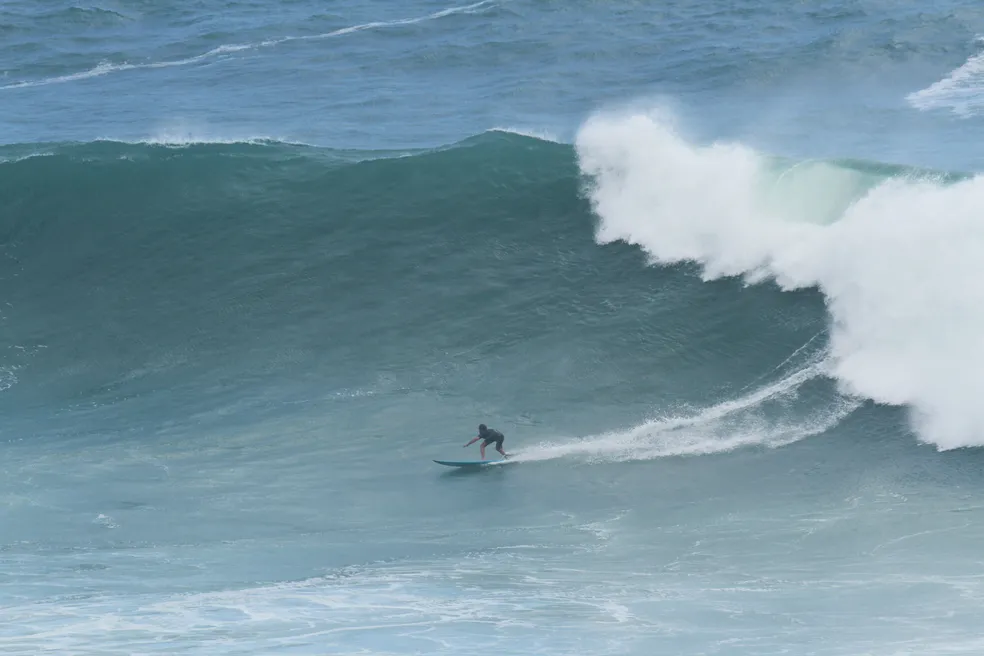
[897, 253]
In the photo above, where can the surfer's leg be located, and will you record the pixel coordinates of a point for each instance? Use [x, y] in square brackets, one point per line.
[483, 450]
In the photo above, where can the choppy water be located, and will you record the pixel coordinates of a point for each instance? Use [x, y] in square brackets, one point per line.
[712, 269]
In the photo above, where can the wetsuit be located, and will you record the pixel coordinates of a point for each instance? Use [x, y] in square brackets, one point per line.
[491, 436]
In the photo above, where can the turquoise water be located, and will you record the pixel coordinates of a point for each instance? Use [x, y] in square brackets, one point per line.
[711, 269]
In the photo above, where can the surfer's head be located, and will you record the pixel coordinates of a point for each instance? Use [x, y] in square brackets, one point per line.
[482, 428]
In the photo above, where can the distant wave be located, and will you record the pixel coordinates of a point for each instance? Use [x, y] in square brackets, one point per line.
[105, 68]
[961, 91]
[188, 135]
[181, 135]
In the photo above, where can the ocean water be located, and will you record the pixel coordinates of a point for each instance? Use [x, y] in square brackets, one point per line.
[713, 268]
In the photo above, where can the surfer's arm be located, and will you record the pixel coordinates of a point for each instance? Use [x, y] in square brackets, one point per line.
[473, 440]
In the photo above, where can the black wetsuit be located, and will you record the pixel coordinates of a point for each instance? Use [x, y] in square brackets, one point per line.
[491, 435]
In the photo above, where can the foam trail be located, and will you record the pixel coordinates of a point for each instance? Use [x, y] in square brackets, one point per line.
[788, 359]
[723, 427]
[7, 378]
[104, 68]
[897, 260]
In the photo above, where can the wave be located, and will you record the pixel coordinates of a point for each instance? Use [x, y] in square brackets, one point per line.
[105, 68]
[189, 133]
[186, 253]
[896, 256]
[259, 237]
[193, 141]
[962, 90]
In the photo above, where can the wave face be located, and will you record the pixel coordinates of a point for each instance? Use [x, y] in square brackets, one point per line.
[139, 272]
[894, 254]
[134, 266]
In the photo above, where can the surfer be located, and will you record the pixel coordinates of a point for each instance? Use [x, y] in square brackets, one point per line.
[490, 435]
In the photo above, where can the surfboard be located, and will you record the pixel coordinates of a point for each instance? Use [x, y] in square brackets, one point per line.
[470, 463]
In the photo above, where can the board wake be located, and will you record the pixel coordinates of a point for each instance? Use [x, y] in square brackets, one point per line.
[471, 463]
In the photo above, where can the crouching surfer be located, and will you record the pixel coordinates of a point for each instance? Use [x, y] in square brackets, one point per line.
[489, 435]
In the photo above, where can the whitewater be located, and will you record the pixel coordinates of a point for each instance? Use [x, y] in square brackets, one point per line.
[895, 260]
[711, 269]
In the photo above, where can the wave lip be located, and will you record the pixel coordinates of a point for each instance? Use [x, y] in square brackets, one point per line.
[896, 255]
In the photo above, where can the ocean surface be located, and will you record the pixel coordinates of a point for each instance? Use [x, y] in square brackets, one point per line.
[715, 269]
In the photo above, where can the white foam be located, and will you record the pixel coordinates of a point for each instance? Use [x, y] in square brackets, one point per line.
[105, 68]
[961, 91]
[20, 158]
[7, 377]
[443, 608]
[899, 264]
